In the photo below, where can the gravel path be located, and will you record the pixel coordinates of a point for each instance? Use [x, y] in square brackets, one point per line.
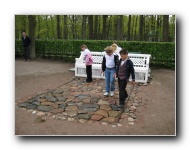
[154, 116]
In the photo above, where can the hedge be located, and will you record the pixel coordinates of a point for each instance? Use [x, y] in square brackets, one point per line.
[163, 53]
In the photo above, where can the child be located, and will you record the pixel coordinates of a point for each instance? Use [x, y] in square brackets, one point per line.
[124, 69]
[109, 63]
[88, 62]
[116, 48]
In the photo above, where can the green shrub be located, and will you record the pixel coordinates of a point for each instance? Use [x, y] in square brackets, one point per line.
[162, 53]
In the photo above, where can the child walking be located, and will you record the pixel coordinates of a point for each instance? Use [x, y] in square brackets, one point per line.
[124, 69]
[88, 62]
[109, 63]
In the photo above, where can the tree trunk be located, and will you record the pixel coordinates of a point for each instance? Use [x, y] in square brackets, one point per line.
[135, 35]
[24, 28]
[99, 36]
[120, 27]
[166, 28]
[84, 17]
[90, 25]
[52, 35]
[117, 27]
[73, 28]
[104, 27]
[133, 27]
[141, 25]
[108, 29]
[39, 27]
[58, 27]
[152, 28]
[96, 27]
[18, 31]
[47, 27]
[146, 26]
[65, 32]
[157, 28]
[32, 24]
[129, 28]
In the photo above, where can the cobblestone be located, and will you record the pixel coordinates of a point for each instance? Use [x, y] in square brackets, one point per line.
[84, 102]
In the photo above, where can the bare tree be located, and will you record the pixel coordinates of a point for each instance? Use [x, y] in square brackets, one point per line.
[120, 27]
[73, 26]
[133, 28]
[165, 28]
[135, 34]
[52, 27]
[108, 27]
[39, 27]
[157, 27]
[32, 25]
[65, 32]
[152, 28]
[84, 17]
[129, 29]
[96, 27]
[47, 28]
[90, 26]
[58, 27]
[104, 27]
[141, 24]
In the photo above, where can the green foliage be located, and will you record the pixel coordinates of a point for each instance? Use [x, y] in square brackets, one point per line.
[46, 27]
[162, 53]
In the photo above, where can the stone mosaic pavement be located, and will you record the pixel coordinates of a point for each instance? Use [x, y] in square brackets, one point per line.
[83, 102]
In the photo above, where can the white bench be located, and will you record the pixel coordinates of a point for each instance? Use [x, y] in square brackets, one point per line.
[140, 63]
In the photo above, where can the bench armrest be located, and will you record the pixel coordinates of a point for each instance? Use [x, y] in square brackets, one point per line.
[78, 61]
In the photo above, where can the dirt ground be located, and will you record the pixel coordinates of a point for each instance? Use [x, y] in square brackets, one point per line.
[155, 117]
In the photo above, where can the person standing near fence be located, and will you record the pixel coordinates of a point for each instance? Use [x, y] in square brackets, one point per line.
[124, 70]
[26, 46]
[88, 62]
[109, 63]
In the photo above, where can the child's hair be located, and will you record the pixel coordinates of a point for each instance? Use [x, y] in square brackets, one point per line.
[109, 49]
[83, 46]
[123, 52]
[114, 42]
[114, 46]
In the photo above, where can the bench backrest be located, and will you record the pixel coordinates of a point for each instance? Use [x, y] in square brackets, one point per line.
[139, 60]
[97, 57]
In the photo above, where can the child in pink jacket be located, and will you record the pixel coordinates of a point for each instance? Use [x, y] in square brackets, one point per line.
[88, 62]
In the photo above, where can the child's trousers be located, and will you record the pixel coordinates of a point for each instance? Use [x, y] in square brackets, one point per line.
[89, 73]
[122, 91]
[110, 80]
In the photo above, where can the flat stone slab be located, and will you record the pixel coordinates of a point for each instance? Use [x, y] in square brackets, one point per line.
[61, 99]
[96, 117]
[45, 108]
[84, 116]
[71, 108]
[25, 104]
[32, 106]
[89, 107]
[58, 110]
[63, 106]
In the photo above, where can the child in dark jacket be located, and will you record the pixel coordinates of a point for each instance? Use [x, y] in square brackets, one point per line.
[123, 71]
